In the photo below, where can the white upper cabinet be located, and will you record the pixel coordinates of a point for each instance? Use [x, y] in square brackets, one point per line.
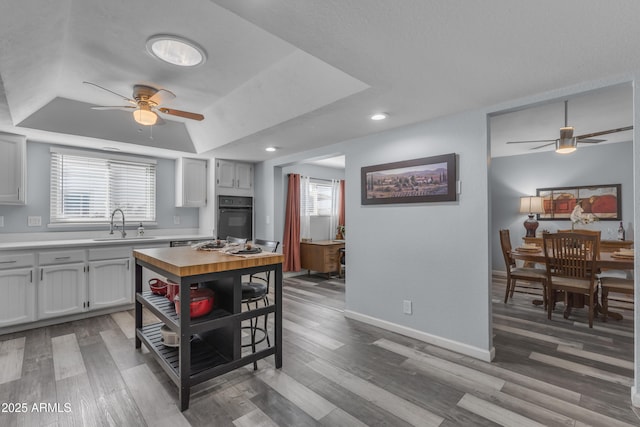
[13, 169]
[191, 182]
[234, 177]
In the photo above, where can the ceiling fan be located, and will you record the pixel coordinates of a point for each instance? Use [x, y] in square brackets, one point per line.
[567, 143]
[145, 104]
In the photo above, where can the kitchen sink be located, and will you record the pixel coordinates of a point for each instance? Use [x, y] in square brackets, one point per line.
[109, 239]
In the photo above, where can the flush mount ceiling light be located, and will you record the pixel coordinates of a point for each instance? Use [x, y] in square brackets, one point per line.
[379, 116]
[270, 149]
[176, 50]
[145, 116]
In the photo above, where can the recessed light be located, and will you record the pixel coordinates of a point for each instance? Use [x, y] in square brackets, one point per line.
[379, 116]
[176, 50]
[270, 149]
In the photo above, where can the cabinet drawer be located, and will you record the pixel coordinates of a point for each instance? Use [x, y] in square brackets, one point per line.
[17, 260]
[61, 257]
[109, 253]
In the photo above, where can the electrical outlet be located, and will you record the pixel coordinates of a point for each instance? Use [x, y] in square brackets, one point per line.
[406, 307]
[176, 220]
[34, 221]
[1, 221]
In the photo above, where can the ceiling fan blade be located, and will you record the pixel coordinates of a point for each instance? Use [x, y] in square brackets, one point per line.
[545, 145]
[590, 141]
[180, 113]
[161, 96]
[115, 93]
[604, 132]
[115, 107]
[534, 140]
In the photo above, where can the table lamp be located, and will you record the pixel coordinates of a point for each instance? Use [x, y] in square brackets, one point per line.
[531, 205]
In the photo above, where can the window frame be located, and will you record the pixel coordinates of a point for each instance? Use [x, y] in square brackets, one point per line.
[139, 164]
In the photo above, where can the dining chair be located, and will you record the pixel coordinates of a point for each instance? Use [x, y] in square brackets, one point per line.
[254, 291]
[571, 267]
[515, 273]
[596, 233]
[613, 284]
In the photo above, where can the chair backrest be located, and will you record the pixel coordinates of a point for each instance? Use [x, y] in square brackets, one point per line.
[571, 255]
[231, 239]
[269, 244]
[596, 233]
[505, 243]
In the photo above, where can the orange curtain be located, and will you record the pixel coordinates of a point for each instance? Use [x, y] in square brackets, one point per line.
[291, 240]
[341, 204]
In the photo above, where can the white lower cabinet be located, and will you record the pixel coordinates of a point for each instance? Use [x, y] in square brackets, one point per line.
[18, 290]
[61, 290]
[110, 283]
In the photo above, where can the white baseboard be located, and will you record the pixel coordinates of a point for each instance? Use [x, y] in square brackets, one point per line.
[635, 397]
[458, 347]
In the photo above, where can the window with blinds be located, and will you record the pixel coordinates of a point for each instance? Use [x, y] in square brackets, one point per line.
[86, 187]
[317, 200]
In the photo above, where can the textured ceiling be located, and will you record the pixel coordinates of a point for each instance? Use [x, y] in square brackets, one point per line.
[298, 75]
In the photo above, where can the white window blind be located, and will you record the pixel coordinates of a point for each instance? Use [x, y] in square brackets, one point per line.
[317, 200]
[86, 187]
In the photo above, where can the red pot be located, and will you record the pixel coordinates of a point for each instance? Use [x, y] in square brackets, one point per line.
[173, 289]
[201, 302]
[157, 286]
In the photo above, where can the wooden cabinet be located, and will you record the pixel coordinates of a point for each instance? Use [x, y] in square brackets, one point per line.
[191, 182]
[234, 175]
[13, 169]
[321, 256]
[17, 286]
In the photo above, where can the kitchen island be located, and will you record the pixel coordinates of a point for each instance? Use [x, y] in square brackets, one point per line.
[215, 339]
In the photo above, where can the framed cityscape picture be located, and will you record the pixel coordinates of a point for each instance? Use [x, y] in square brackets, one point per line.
[429, 179]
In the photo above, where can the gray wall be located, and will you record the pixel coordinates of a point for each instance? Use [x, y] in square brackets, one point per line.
[433, 254]
[38, 183]
[515, 176]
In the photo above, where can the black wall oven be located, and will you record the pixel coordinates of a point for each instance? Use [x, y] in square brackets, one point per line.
[235, 217]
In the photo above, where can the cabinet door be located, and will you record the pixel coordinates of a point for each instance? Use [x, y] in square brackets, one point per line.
[110, 283]
[191, 184]
[61, 290]
[244, 176]
[225, 174]
[13, 151]
[18, 302]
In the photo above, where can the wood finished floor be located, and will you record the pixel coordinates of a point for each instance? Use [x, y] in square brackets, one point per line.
[337, 372]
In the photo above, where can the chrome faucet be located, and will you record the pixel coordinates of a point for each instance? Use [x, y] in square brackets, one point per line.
[112, 226]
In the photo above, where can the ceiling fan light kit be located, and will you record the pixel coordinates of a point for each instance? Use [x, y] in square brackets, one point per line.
[145, 116]
[176, 50]
[567, 143]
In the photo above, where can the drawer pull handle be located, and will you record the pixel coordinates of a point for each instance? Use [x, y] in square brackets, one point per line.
[8, 262]
[60, 258]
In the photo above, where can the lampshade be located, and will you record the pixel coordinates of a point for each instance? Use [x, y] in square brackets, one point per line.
[145, 116]
[531, 205]
[567, 143]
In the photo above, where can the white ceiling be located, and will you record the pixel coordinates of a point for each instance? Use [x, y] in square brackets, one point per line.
[299, 75]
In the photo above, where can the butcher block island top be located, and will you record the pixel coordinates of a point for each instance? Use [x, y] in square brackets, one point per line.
[214, 341]
[184, 261]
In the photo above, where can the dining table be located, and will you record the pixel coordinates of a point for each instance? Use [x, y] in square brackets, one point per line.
[605, 261]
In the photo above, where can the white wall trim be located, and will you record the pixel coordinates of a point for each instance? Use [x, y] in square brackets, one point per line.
[635, 397]
[467, 350]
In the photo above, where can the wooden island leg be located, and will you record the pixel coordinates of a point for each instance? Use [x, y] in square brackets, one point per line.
[138, 288]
